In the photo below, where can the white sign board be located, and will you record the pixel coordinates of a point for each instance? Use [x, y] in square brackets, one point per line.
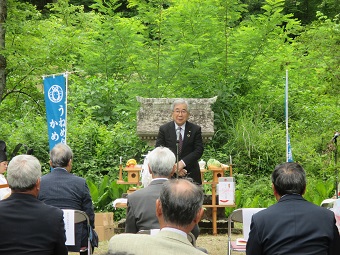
[226, 191]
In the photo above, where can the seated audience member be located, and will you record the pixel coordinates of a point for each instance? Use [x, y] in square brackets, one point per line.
[293, 225]
[29, 226]
[141, 210]
[178, 209]
[141, 205]
[64, 190]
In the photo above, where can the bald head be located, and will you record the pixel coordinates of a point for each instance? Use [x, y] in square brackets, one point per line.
[181, 200]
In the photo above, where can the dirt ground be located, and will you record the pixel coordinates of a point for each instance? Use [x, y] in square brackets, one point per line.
[216, 245]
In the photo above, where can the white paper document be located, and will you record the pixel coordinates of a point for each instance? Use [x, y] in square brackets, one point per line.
[69, 226]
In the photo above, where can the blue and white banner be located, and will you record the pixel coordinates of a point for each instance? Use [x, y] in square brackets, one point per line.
[289, 153]
[55, 91]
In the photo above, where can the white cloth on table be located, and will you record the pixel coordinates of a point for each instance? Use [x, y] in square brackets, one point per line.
[119, 200]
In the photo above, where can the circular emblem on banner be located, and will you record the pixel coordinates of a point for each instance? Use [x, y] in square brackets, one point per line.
[55, 93]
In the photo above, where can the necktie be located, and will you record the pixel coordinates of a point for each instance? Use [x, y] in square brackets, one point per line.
[180, 143]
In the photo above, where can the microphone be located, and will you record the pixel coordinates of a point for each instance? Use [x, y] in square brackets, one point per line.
[336, 135]
[178, 133]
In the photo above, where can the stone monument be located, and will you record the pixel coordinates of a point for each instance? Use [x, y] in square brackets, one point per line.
[155, 112]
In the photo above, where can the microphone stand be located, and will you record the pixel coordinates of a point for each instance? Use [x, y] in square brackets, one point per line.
[177, 157]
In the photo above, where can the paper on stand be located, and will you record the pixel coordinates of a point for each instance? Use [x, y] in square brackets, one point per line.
[226, 191]
[69, 226]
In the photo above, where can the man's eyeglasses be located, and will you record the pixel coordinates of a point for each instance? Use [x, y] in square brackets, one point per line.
[182, 111]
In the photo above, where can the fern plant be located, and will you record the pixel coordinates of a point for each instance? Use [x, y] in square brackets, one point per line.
[104, 193]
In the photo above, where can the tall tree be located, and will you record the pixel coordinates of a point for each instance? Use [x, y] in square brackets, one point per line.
[3, 16]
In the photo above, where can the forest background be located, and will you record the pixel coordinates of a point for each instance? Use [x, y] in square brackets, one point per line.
[237, 50]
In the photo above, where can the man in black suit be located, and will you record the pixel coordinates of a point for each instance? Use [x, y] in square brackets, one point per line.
[293, 225]
[191, 148]
[64, 190]
[28, 226]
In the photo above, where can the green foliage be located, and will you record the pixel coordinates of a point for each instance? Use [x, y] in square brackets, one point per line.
[104, 193]
[319, 189]
[253, 192]
[180, 49]
[107, 104]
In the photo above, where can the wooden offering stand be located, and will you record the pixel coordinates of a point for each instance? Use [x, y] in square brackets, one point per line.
[133, 174]
[217, 172]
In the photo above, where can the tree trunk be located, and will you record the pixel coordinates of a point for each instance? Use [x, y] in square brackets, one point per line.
[3, 16]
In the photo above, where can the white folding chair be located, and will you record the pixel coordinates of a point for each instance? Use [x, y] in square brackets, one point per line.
[79, 216]
[241, 215]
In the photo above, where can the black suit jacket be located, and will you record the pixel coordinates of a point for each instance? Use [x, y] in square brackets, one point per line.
[67, 191]
[28, 226]
[192, 148]
[293, 226]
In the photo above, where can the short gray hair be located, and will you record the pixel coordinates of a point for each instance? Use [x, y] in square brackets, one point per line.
[23, 172]
[161, 161]
[180, 101]
[60, 155]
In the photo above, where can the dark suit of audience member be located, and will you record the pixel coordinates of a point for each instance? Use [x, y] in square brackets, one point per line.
[29, 226]
[178, 209]
[192, 146]
[293, 225]
[64, 190]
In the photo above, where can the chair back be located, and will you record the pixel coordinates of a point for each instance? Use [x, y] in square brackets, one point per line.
[241, 215]
[79, 216]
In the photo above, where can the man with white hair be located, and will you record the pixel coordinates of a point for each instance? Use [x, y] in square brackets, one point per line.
[141, 210]
[28, 226]
[184, 138]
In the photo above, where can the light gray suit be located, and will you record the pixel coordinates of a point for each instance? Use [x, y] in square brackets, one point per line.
[164, 243]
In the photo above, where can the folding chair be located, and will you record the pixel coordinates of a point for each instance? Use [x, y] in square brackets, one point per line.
[241, 215]
[80, 216]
